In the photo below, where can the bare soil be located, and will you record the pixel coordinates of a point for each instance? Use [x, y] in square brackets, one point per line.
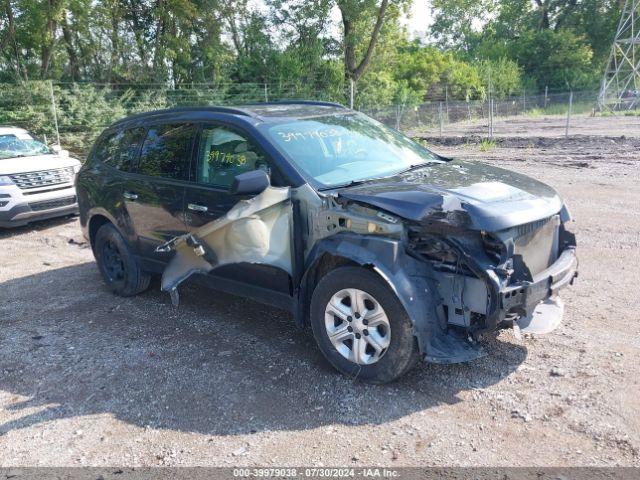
[87, 378]
[543, 126]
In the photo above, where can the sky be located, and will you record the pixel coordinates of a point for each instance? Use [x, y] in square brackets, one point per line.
[420, 19]
[417, 22]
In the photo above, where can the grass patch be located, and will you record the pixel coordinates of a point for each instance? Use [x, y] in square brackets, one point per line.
[560, 109]
[486, 145]
[620, 113]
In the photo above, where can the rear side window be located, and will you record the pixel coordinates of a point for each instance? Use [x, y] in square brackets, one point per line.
[129, 147]
[107, 148]
[119, 149]
[165, 151]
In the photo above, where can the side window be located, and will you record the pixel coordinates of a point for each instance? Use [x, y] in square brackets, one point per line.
[129, 147]
[224, 153]
[165, 151]
[119, 149]
[107, 148]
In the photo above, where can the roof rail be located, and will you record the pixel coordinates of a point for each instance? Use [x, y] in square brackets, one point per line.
[302, 102]
[153, 113]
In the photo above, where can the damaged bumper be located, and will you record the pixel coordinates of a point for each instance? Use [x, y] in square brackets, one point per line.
[477, 294]
[535, 302]
[488, 302]
[534, 307]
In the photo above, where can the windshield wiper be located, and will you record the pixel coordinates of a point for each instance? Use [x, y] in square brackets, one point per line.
[351, 183]
[365, 180]
[415, 167]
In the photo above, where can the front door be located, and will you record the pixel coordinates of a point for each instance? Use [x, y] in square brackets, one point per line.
[154, 195]
[221, 154]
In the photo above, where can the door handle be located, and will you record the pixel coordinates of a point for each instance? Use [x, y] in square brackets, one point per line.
[130, 195]
[197, 208]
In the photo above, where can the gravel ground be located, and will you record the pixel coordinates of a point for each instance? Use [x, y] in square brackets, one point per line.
[90, 379]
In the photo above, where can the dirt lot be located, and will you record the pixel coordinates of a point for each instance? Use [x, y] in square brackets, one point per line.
[90, 379]
[543, 126]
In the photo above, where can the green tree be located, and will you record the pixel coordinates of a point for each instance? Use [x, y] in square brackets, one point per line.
[557, 59]
[503, 76]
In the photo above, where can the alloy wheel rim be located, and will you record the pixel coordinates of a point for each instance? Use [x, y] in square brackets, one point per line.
[357, 326]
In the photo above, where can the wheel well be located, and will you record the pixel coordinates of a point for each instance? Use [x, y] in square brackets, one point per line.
[94, 224]
[322, 266]
[325, 264]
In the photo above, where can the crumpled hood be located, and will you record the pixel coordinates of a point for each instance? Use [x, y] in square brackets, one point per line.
[470, 194]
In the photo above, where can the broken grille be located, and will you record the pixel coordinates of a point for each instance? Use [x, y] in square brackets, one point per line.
[48, 204]
[536, 246]
[42, 178]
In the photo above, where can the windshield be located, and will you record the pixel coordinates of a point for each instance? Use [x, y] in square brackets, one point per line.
[21, 145]
[341, 149]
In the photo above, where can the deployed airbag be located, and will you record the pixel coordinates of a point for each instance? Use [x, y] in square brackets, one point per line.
[257, 230]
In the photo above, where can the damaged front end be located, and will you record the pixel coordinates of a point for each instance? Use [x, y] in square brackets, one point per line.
[454, 280]
[497, 280]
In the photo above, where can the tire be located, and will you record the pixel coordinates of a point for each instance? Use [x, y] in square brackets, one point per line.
[117, 264]
[396, 350]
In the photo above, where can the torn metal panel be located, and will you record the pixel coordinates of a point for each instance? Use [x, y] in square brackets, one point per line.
[545, 317]
[257, 230]
[412, 280]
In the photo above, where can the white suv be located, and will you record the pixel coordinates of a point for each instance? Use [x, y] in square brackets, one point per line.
[36, 181]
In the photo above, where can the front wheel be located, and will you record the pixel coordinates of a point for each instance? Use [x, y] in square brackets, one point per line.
[361, 327]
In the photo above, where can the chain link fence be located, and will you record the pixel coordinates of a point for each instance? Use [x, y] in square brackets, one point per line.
[489, 117]
[75, 113]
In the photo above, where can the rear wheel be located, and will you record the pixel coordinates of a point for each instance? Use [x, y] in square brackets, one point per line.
[361, 327]
[117, 264]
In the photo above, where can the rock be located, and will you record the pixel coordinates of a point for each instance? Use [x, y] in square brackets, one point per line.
[238, 452]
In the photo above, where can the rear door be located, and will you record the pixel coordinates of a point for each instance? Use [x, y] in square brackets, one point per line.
[154, 195]
[221, 153]
[108, 173]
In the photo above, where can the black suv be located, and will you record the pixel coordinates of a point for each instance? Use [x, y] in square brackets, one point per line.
[389, 251]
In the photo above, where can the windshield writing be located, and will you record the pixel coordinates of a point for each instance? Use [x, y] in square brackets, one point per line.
[337, 150]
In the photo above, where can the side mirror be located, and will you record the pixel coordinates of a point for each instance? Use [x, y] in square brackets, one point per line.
[250, 183]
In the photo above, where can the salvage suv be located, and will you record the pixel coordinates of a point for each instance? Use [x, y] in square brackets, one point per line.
[389, 251]
[36, 181]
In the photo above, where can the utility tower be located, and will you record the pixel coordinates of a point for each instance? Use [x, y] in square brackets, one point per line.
[621, 81]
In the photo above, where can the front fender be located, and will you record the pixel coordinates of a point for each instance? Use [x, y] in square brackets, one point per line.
[409, 279]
